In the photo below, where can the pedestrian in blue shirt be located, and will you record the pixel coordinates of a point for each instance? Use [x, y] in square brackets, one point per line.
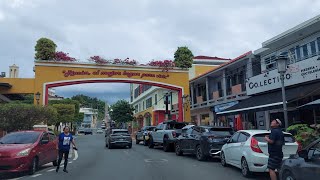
[275, 142]
[65, 139]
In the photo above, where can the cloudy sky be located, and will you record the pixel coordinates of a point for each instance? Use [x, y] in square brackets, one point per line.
[141, 29]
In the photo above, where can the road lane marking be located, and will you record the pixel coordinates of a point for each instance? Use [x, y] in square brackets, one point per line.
[70, 162]
[75, 155]
[155, 160]
[126, 152]
[50, 170]
[36, 175]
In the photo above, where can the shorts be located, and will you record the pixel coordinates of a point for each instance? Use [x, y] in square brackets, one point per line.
[274, 162]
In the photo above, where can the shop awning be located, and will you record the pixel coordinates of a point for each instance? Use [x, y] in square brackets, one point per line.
[272, 100]
[312, 104]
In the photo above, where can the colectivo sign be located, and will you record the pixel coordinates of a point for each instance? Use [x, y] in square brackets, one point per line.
[299, 72]
[106, 73]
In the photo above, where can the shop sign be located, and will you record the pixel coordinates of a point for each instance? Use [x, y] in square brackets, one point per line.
[222, 107]
[300, 72]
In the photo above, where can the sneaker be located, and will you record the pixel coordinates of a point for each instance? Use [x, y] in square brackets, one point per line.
[64, 170]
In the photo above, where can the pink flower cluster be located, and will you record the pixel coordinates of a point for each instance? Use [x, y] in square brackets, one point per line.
[100, 60]
[62, 56]
[165, 64]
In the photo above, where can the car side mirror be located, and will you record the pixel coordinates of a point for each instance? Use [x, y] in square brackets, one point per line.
[303, 154]
[44, 141]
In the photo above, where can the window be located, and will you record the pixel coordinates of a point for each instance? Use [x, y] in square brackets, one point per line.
[219, 85]
[242, 137]
[136, 92]
[313, 47]
[52, 137]
[143, 105]
[234, 138]
[156, 99]
[270, 62]
[136, 109]
[189, 131]
[305, 51]
[298, 53]
[314, 152]
[196, 131]
[148, 102]
[318, 43]
[20, 138]
[292, 55]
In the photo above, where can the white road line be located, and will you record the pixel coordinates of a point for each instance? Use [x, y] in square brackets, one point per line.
[36, 175]
[75, 155]
[51, 170]
[126, 152]
[16, 178]
[70, 162]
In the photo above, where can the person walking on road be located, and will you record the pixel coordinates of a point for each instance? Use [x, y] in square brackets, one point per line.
[65, 139]
[275, 142]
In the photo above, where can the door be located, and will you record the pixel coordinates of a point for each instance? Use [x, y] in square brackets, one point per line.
[239, 147]
[194, 139]
[311, 167]
[229, 148]
[53, 147]
[183, 139]
[44, 150]
[158, 132]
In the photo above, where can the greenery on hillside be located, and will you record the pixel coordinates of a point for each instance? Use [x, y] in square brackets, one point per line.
[121, 112]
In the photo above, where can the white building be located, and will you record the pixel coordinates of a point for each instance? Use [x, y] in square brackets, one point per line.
[90, 117]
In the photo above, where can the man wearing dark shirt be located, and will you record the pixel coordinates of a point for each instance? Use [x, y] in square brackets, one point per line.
[275, 142]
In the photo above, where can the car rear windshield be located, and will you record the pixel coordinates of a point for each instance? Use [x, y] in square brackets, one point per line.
[20, 138]
[287, 137]
[221, 131]
[150, 128]
[175, 125]
[120, 132]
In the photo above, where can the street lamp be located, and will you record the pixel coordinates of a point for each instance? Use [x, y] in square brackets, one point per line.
[38, 97]
[282, 68]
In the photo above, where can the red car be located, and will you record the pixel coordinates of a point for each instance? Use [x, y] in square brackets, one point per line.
[27, 150]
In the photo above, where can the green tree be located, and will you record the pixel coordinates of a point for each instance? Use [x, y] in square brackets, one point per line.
[65, 113]
[183, 57]
[15, 117]
[45, 49]
[122, 112]
[89, 102]
[26, 99]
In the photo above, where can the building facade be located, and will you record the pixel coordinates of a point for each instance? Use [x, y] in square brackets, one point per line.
[150, 101]
[301, 44]
[90, 117]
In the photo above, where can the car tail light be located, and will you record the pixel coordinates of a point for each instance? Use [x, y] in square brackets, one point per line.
[254, 145]
[174, 134]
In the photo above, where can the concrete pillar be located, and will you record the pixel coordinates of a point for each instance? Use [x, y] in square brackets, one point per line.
[207, 89]
[192, 95]
[224, 83]
[267, 116]
[249, 68]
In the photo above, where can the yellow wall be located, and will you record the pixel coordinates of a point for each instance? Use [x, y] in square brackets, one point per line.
[19, 86]
[47, 72]
[201, 69]
[150, 110]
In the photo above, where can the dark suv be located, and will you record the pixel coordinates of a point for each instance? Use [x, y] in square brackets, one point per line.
[203, 141]
[118, 137]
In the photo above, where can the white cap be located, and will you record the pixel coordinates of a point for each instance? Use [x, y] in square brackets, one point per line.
[279, 122]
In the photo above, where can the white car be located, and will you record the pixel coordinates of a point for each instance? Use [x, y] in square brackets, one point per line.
[248, 150]
[99, 131]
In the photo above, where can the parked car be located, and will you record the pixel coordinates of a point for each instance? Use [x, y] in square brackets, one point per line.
[88, 131]
[81, 131]
[165, 134]
[203, 141]
[143, 134]
[27, 151]
[118, 137]
[99, 131]
[304, 165]
[248, 150]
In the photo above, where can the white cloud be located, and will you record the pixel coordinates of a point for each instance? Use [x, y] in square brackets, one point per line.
[143, 29]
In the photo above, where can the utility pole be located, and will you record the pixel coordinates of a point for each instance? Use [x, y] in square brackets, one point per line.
[167, 106]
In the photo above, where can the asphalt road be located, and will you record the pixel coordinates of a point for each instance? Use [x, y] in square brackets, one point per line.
[139, 163]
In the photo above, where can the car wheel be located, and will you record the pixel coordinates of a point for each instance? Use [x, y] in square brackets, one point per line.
[145, 142]
[137, 141]
[151, 145]
[130, 146]
[55, 163]
[34, 166]
[199, 154]
[178, 150]
[245, 168]
[223, 159]
[106, 145]
[287, 175]
[166, 145]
